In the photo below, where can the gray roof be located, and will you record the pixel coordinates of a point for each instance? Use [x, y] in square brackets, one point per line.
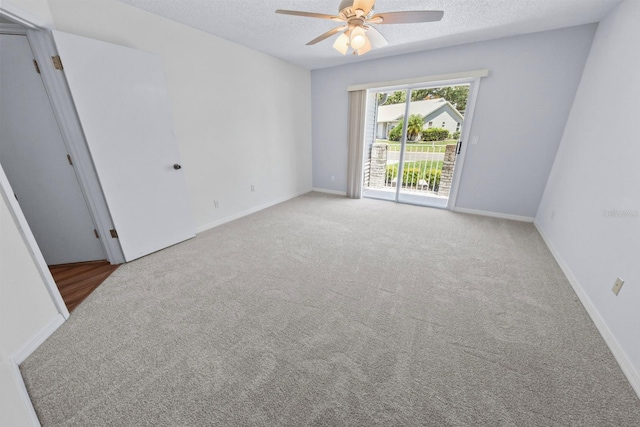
[393, 112]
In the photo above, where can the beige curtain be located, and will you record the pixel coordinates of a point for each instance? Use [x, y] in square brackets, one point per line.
[357, 110]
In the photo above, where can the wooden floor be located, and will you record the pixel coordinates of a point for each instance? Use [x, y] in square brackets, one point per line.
[77, 281]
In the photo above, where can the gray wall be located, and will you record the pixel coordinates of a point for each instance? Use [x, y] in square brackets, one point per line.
[590, 212]
[520, 115]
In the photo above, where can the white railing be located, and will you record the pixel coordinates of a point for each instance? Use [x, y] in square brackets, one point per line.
[422, 166]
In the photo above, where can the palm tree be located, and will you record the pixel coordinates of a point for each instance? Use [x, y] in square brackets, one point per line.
[414, 127]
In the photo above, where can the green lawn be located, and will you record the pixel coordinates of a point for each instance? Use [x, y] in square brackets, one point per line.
[424, 165]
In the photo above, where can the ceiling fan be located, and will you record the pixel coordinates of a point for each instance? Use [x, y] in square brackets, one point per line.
[357, 17]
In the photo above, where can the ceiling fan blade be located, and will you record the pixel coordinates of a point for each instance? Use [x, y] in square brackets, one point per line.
[377, 39]
[410, 17]
[363, 5]
[310, 15]
[327, 34]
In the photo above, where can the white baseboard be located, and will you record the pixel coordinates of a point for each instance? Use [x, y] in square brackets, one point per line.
[25, 351]
[230, 218]
[633, 376]
[324, 190]
[494, 214]
[21, 355]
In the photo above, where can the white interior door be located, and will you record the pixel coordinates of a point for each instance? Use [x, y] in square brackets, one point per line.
[34, 158]
[123, 106]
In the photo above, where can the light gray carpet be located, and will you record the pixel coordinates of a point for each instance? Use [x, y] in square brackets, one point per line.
[330, 311]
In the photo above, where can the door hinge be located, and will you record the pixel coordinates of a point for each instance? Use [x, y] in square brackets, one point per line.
[114, 233]
[35, 64]
[69, 160]
[57, 62]
[96, 233]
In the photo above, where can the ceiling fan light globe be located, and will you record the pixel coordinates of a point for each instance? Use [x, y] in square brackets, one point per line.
[358, 38]
[366, 48]
[342, 44]
[358, 42]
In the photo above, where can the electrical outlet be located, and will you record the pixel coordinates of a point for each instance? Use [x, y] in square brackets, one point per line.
[333, 178]
[215, 204]
[617, 286]
[553, 214]
[253, 188]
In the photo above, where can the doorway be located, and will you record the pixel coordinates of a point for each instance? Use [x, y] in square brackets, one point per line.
[42, 176]
[37, 164]
[418, 136]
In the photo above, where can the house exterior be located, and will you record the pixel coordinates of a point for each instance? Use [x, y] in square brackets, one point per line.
[437, 113]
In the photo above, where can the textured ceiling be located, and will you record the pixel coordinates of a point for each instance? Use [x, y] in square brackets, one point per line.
[254, 23]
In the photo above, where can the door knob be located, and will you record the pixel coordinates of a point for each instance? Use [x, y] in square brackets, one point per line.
[177, 166]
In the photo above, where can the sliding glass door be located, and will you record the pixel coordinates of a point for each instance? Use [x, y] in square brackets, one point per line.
[417, 139]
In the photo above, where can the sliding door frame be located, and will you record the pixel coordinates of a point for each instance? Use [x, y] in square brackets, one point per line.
[473, 80]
